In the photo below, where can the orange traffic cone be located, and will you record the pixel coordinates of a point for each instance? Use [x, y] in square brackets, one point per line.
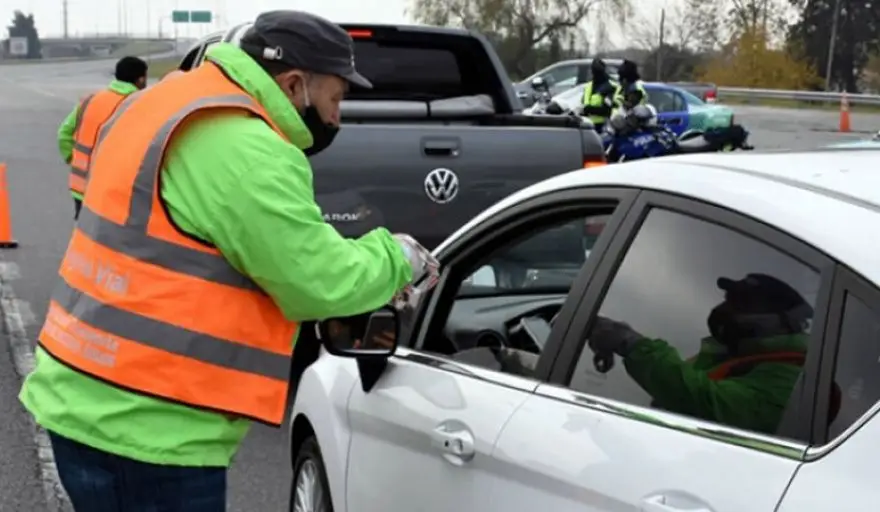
[6, 241]
[844, 113]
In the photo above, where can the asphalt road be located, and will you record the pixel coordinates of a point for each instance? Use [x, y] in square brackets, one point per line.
[33, 100]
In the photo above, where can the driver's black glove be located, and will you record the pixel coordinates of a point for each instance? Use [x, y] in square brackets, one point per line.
[611, 336]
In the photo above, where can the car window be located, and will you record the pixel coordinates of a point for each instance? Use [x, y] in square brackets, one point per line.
[665, 100]
[548, 259]
[690, 99]
[505, 301]
[703, 321]
[857, 367]
[189, 60]
[567, 83]
[561, 74]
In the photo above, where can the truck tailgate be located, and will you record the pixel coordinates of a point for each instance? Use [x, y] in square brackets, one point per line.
[363, 181]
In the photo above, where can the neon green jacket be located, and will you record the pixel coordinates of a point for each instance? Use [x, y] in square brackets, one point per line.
[232, 181]
[68, 126]
[752, 401]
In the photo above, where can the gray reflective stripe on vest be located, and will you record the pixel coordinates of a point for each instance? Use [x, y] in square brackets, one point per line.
[145, 182]
[131, 239]
[79, 115]
[169, 338]
[79, 172]
[139, 245]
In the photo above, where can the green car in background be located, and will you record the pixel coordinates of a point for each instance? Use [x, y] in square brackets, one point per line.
[683, 112]
[678, 109]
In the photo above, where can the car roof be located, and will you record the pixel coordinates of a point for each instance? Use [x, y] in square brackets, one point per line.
[829, 198]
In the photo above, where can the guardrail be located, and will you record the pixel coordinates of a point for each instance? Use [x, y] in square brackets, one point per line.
[806, 96]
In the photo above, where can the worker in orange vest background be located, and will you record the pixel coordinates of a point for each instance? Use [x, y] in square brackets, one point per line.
[79, 131]
[198, 253]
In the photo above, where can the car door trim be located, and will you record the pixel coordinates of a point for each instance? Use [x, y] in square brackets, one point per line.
[515, 218]
[568, 356]
[787, 448]
[845, 282]
[466, 370]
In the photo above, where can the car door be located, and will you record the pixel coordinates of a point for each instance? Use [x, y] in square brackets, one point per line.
[589, 441]
[422, 437]
[838, 472]
[671, 109]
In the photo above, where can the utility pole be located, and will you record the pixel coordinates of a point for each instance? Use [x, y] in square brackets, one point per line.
[64, 16]
[660, 46]
[834, 23]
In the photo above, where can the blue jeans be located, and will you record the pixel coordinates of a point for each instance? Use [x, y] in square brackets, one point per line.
[97, 481]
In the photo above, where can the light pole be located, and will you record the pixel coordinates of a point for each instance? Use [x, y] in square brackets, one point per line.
[834, 23]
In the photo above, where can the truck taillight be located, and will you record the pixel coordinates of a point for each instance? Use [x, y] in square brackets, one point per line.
[710, 96]
[360, 34]
[589, 164]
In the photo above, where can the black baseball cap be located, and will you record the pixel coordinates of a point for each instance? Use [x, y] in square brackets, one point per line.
[305, 41]
[761, 293]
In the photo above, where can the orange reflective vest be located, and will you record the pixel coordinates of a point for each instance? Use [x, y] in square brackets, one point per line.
[94, 111]
[148, 308]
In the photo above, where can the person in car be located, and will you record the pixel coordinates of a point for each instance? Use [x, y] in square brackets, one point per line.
[744, 372]
[632, 90]
[599, 95]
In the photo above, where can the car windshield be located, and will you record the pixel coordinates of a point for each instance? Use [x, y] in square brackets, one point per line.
[571, 97]
[691, 99]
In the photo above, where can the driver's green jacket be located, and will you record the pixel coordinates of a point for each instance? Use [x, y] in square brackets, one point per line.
[754, 400]
[233, 181]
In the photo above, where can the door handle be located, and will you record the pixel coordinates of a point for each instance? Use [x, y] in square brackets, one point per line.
[667, 503]
[454, 441]
[441, 147]
[675, 120]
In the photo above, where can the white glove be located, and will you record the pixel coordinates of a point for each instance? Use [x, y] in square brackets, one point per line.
[425, 270]
[420, 258]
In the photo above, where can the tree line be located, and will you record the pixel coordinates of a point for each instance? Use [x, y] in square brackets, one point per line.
[23, 25]
[786, 44]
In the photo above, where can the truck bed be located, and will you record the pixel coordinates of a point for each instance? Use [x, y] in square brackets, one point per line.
[439, 137]
[454, 110]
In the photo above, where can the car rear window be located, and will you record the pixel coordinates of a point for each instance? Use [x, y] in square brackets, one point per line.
[426, 65]
[396, 69]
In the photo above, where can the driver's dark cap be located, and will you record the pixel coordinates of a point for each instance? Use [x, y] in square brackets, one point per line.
[761, 293]
[305, 41]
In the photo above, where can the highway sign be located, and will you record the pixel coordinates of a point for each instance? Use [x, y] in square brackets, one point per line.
[200, 16]
[18, 46]
[192, 17]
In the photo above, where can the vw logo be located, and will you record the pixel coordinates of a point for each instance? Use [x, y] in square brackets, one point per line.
[441, 185]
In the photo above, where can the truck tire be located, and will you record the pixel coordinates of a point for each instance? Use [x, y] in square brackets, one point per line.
[310, 491]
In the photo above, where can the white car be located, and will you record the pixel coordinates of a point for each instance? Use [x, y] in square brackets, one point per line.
[494, 401]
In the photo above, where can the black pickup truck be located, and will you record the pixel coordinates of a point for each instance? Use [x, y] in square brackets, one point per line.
[438, 139]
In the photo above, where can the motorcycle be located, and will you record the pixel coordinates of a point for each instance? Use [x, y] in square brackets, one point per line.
[542, 96]
[635, 134]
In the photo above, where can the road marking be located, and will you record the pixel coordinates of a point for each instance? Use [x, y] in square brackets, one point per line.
[34, 89]
[17, 315]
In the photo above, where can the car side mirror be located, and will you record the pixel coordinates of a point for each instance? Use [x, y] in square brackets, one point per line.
[539, 84]
[362, 337]
[370, 339]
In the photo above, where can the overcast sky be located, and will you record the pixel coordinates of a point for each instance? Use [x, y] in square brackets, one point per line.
[102, 16]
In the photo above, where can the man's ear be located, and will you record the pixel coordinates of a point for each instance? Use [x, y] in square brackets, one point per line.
[290, 81]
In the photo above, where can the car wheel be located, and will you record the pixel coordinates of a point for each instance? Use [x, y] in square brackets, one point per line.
[310, 491]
